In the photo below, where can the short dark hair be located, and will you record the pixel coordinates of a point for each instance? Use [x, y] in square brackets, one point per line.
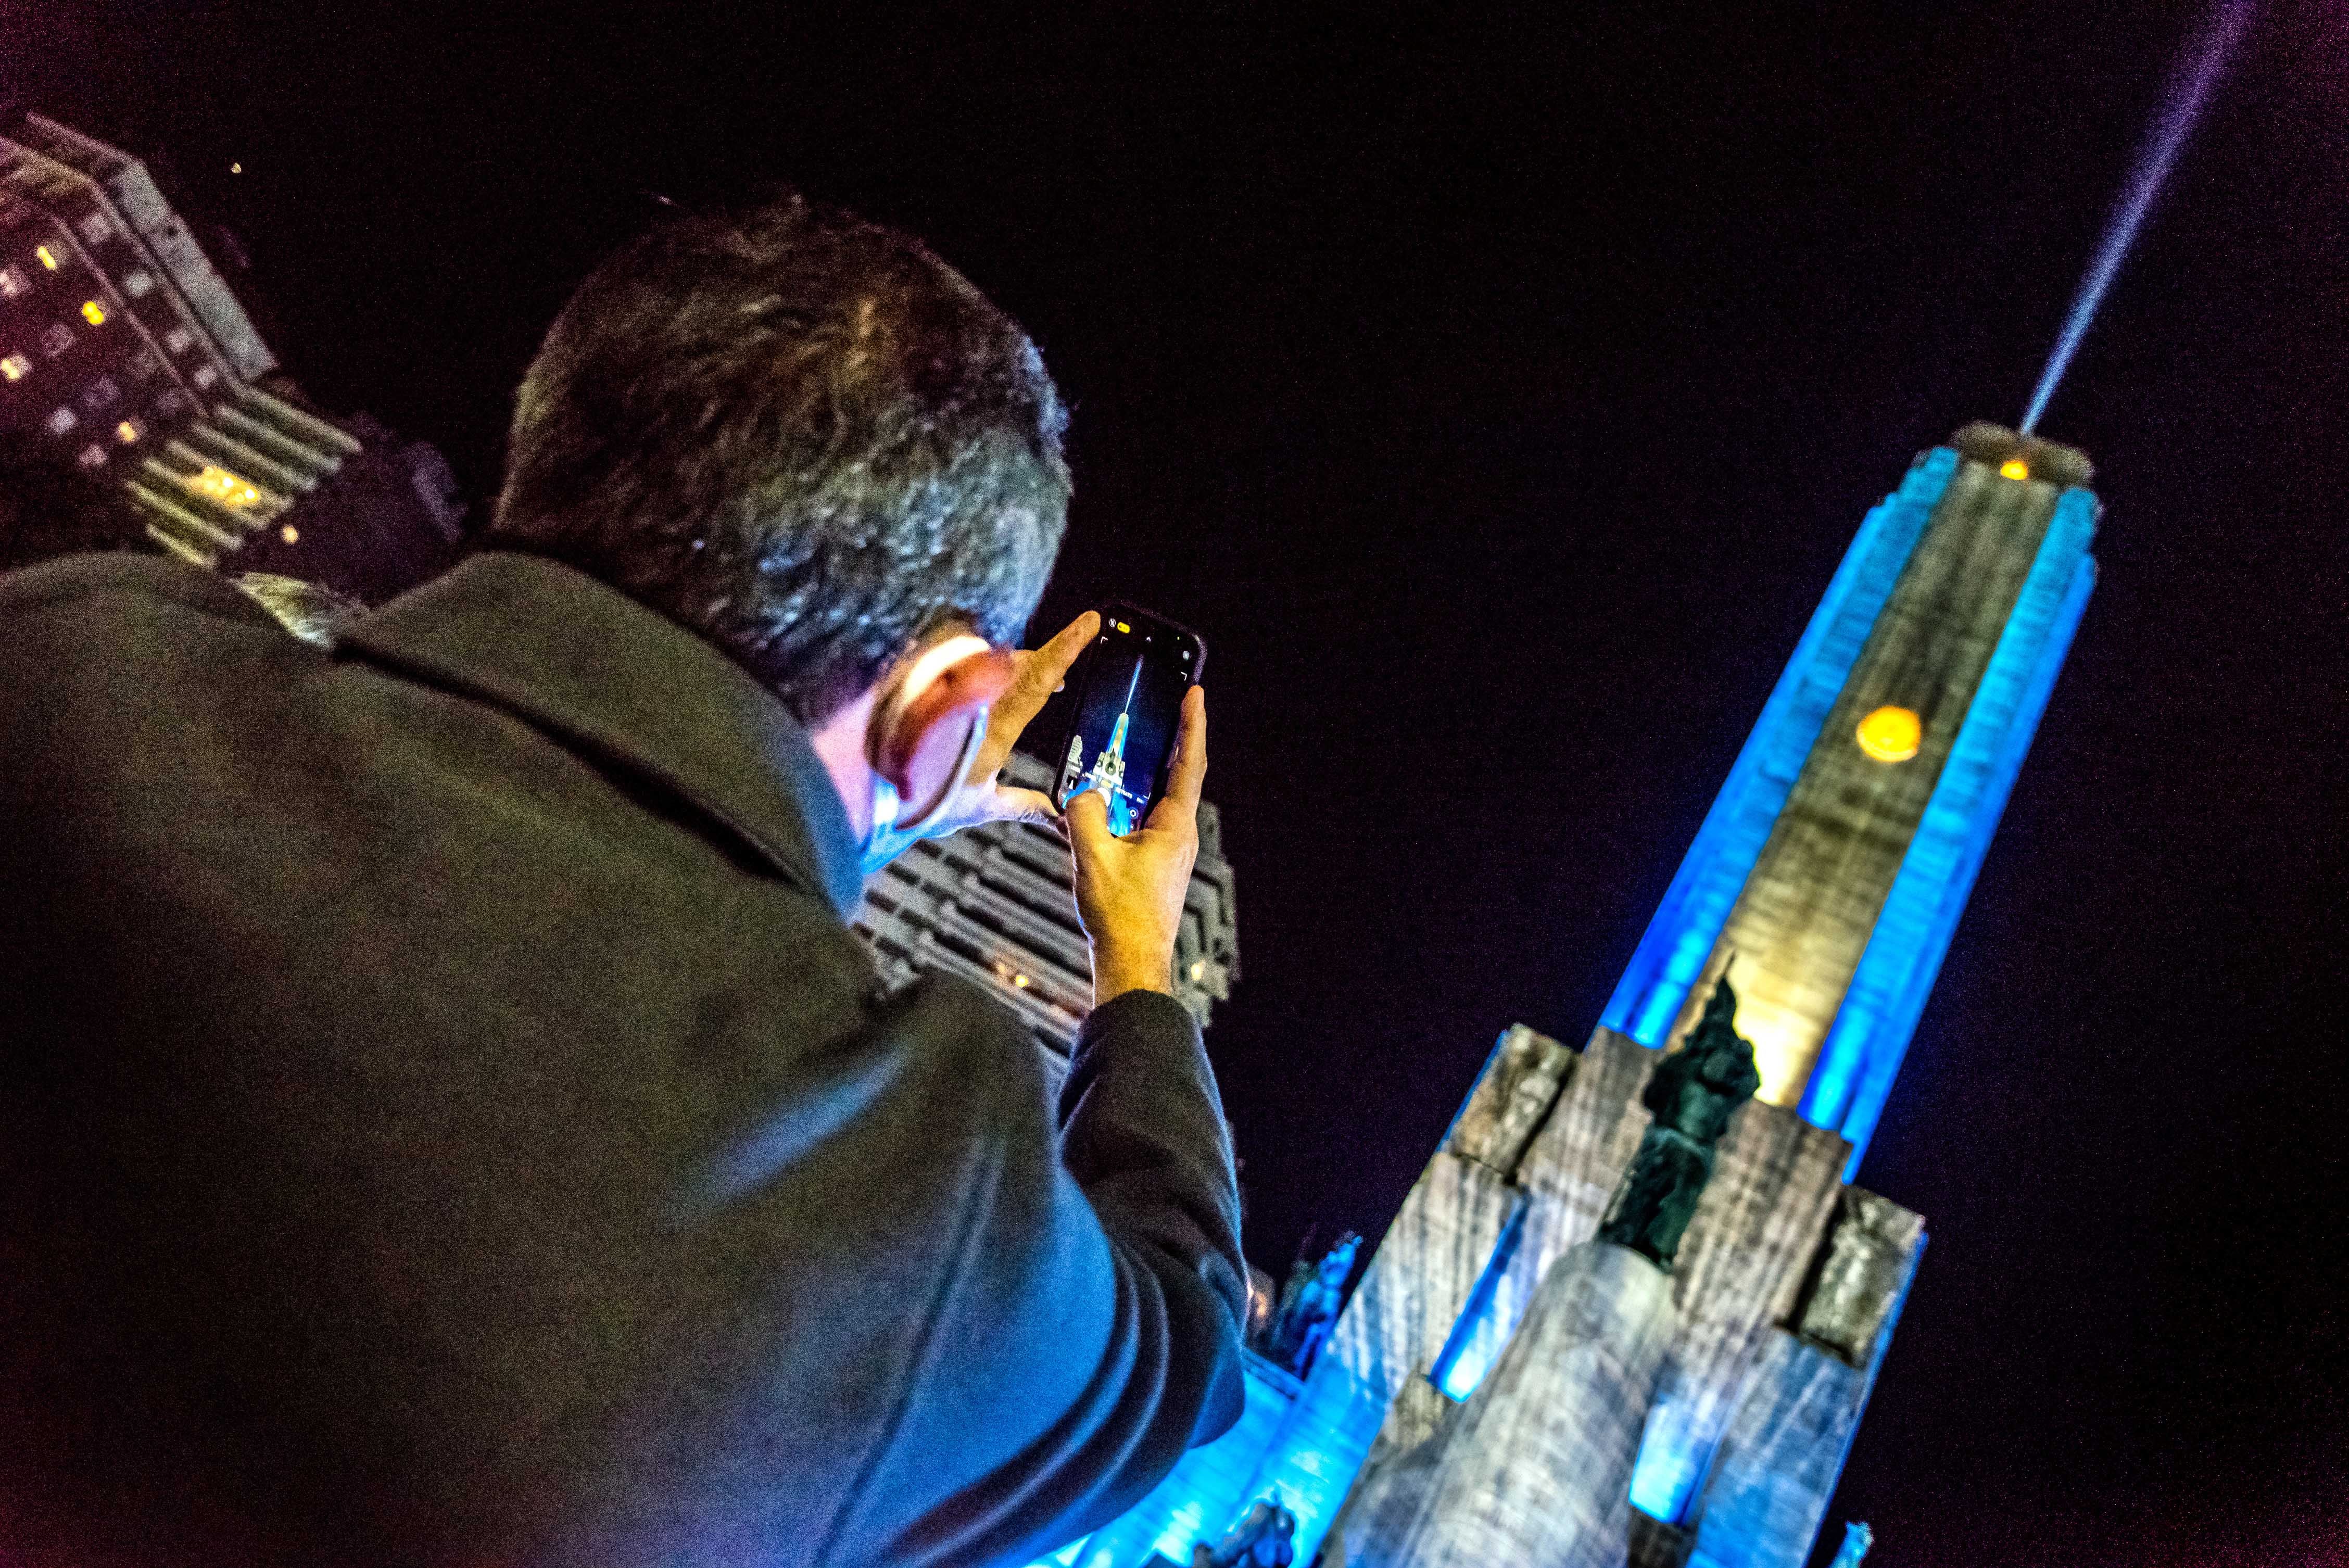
[795, 432]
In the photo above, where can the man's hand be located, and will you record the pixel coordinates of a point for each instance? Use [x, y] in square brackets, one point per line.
[979, 797]
[1130, 891]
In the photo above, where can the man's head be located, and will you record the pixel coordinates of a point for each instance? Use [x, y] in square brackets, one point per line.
[800, 435]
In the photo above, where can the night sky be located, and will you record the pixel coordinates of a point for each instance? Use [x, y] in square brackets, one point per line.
[1497, 388]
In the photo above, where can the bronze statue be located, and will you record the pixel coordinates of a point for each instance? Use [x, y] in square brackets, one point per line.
[1690, 1094]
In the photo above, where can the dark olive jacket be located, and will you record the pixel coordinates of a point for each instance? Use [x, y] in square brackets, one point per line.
[444, 1120]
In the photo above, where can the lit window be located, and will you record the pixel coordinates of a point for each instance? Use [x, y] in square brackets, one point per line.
[228, 489]
[136, 284]
[14, 283]
[93, 313]
[144, 365]
[57, 339]
[1890, 734]
[96, 229]
[92, 456]
[128, 431]
[45, 256]
[205, 375]
[2014, 469]
[172, 401]
[61, 421]
[16, 368]
[102, 394]
[177, 339]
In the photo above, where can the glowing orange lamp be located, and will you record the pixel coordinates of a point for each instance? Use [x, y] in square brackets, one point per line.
[1890, 734]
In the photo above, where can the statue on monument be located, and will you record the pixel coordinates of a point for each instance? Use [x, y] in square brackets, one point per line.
[1264, 1538]
[1690, 1094]
[1309, 1306]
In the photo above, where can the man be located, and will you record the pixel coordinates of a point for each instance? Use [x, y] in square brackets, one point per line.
[446, 1119]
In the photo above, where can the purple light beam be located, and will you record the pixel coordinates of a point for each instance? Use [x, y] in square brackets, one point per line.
[2204, 62]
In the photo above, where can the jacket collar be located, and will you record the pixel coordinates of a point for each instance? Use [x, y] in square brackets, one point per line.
[612, 678]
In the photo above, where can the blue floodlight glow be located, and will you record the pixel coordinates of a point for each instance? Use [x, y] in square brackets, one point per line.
[1665, 1477]
[1476, 1339]
[1697, 905]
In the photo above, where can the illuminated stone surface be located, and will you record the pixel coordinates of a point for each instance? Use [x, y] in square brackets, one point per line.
[1569, 1174]
[1756, 1229]
[1535, 1468]
[1404, 1312]
[1779, 1461]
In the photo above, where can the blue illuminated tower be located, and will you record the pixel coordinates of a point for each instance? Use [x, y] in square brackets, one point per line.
[1838, 875]
[1834, 866]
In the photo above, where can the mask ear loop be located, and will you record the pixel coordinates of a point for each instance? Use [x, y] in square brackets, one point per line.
[963, 760]
[960, 671]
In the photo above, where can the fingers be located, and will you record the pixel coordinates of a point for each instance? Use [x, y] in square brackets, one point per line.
[1010, 805]
[1190, 770]
[1061, 652]
[1040, 673]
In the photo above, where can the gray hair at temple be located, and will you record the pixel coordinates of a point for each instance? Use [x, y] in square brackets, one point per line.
[798, 433]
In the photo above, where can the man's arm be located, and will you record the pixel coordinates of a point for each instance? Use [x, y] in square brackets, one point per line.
[1097, 1325]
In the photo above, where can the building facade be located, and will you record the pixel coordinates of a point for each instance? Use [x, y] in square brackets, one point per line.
[129, 372]
[1506, 1387]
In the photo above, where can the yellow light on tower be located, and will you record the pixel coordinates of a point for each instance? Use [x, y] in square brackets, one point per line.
[1890, 734]
[2014, 469]
[126, 432]
[228, 489]
[93, 313]
[45, 256]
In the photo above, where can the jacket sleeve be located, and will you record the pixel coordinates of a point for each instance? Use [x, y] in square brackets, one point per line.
[1095, 1333]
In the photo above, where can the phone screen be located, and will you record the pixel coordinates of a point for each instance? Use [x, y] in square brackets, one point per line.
[1129, 703]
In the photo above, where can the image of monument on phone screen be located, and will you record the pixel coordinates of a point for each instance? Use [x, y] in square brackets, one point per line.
[1128, 709]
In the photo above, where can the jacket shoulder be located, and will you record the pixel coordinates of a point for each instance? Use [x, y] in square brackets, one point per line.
[122, 573]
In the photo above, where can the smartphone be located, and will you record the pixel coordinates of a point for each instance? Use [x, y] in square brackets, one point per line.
[1128, 689]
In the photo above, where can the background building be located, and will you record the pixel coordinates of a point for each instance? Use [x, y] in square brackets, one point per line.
[1503, 1387]
[139, 406]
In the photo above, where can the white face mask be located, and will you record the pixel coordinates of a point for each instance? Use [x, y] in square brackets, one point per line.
[881, 842]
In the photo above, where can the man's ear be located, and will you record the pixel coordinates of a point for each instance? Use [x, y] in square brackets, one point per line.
[922, 732]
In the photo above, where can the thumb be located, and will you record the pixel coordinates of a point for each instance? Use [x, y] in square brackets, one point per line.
[1088, 818]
